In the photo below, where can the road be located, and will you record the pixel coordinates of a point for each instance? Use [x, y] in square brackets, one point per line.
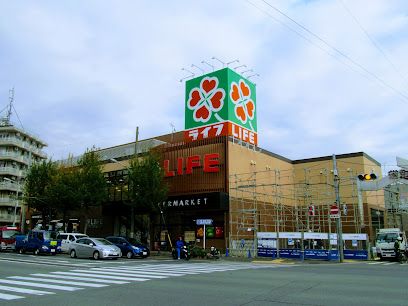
[60, 280]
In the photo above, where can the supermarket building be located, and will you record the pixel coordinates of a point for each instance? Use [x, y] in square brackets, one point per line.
[220, 180]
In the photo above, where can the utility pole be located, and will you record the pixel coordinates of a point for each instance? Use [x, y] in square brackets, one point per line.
[339, 225]
[132, 208]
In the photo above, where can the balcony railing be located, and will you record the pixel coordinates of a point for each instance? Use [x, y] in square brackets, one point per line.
[5, 185]
[12, 171]
[15, 156]
[22, 144]
[8, 218]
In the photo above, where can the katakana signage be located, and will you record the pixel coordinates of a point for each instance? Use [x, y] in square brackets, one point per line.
[221, 103]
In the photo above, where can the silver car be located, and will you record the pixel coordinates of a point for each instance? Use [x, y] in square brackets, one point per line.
[96, 248]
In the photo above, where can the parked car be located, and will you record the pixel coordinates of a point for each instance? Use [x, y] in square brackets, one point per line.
[67, 238]
[38, 241]
[130, 246]
[8, 237]
[96, 248]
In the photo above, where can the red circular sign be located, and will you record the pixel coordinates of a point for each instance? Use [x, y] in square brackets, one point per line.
[334, 210]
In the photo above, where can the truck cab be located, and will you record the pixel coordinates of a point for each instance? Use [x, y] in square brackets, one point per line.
[39, 241]
[385, 240]
[8, 237]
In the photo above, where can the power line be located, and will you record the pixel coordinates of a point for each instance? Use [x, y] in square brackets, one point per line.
[375, 44]
[336, 50]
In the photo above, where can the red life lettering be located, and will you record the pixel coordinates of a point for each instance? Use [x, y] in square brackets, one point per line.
[192, 162]
[211, 162]
[166, 165]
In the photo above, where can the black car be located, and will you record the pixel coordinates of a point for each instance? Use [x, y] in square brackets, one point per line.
[130, 246]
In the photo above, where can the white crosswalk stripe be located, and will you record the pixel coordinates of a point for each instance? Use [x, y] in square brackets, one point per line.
[7, 297]
[98, 277]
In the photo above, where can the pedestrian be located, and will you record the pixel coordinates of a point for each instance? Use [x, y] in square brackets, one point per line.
[397, 248]
[179, 245]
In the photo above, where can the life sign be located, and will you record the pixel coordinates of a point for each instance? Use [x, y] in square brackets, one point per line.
[220, 103]
[209, 163]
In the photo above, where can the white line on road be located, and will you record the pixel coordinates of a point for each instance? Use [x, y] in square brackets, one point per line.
[131, 273]
[29, 284]
[82, 279]
[22, 290]
[57, 281]
[4, 296]
[90, 276]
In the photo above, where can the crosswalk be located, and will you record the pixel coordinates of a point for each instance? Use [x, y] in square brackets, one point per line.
[19, 287]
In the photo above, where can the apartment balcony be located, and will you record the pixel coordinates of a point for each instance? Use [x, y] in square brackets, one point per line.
[14, 141]
[9, 202]
[12, 171]
[9, 218]
[15, 157]
[5, 185]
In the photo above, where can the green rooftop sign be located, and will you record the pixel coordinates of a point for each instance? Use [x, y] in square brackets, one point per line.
[220, 103]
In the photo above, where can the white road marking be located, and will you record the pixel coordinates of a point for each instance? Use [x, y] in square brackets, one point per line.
[46, 280]
[29, 284]
[22, 290]
[94, 280]
[102, 276]
[4, 296]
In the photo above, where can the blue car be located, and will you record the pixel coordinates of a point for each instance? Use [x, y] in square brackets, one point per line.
[130, 247]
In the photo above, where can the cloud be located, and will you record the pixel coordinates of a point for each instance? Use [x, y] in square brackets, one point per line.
[87, 73]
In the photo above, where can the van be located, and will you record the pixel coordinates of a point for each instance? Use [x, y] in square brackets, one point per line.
[8, 237]
[67, 238]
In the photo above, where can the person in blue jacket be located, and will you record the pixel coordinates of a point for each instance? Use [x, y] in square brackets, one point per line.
[179, 245]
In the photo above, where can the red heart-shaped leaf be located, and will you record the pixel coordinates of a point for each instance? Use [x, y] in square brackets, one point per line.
[202, 112]
[217, 100]
[241, 113]
[208, 85]
[251, 108]
[194, 98]
[234, 93]
[244, 89]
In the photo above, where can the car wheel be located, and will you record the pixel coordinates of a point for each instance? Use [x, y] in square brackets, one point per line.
[72, 254]
[36, 252]
[96, 255]
[20, 251]
[129, 255]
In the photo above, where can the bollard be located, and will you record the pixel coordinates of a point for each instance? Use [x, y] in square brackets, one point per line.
[249, 253]
[226, 252]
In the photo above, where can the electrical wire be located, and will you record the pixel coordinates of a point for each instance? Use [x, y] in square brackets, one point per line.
[375, 44]
[402, 95]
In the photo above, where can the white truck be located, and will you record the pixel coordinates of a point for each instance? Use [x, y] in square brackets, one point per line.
[385, 242]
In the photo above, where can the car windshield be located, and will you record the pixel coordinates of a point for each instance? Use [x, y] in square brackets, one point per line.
[133, 241]
[387, 237]
[50, 235]
[10, 233]
[102, 241]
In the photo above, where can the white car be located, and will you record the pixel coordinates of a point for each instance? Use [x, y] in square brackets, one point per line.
[68, 238]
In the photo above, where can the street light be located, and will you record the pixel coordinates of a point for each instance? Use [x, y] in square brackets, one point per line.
[16, 203]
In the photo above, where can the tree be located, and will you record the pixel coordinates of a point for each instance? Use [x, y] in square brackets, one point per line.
[92, 183]
[64, 191]
[37, 185]
[146, 184]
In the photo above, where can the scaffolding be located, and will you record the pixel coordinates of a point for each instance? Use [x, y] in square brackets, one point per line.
[276, 200]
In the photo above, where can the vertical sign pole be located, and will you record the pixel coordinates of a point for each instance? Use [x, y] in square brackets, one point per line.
[204, 238]
[339, 225]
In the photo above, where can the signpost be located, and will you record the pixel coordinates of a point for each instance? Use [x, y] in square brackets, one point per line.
[204, 222]
[334, 212]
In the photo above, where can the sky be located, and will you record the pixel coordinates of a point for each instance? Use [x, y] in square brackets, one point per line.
[333, 74]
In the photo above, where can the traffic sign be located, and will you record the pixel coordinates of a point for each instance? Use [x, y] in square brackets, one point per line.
[204, 221]
[334, 211]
